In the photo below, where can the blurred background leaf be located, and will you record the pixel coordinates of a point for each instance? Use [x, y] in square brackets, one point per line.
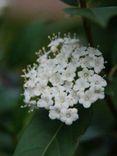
[20, 38]
[99, 15]
[52, 137]
[71, 2]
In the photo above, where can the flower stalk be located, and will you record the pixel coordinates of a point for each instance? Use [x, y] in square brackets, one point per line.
[86, 24]
[88, 32]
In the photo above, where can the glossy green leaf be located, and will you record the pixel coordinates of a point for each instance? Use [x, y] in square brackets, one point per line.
[99, 15]
[44, 137]
[71, 2]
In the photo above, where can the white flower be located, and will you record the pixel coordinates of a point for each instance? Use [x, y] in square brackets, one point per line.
[75, 62]
[97, 80]
[39, 89]
[42, 59]
[75, 56]
[47, 92]
[71, 41]
[87, 98]
[56, 90]
[66, 75]
[82, 51]
[71, 67]
[47, 69]
[60, 67]
[62, 57]
[55, 79]
[30, 83]
[93, 52]
[44, 102]
[68, 86]
[87, 62]
[62, 99]
[74, 96]
[81, 84]
[43, 80]
[99, 64]
[69, 115]
[32, 73]
[56, 42]
[85, 73]
[27, 95]
[98, 92]
[54, 112]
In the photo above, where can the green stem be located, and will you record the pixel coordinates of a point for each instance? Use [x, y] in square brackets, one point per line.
[111, 106]
[108, 98]
[86, 24]
[112, 72]
[87, 28]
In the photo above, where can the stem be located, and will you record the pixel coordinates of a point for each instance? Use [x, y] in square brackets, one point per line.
[109, 101]
[112, 72]
[87, 28]
[86, 24]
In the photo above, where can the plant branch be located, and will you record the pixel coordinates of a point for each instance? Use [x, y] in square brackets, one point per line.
[112, 72]
[86, 24]
[108, 98]
[111, 106]
[87, 27]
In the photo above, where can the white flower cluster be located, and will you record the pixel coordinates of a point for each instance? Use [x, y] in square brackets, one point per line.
[64, 77]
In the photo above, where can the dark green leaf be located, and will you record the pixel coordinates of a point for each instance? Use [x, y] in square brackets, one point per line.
[44, 137]
[71, 2]
[98, 15]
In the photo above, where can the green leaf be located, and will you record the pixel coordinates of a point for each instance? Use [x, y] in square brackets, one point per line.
[71, 2]
[98, 15]
[44, 137]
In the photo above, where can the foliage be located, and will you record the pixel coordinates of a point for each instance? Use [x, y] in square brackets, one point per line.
[96, 133]
[71, 2]
[99, 15]
[51, 137]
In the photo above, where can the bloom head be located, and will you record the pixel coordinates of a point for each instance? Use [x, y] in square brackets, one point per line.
[66, 75]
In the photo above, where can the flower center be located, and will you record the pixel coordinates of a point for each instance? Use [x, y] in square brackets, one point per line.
[86, 74]
[68, 115]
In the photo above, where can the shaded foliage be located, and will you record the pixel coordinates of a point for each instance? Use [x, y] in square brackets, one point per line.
[19, 42]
